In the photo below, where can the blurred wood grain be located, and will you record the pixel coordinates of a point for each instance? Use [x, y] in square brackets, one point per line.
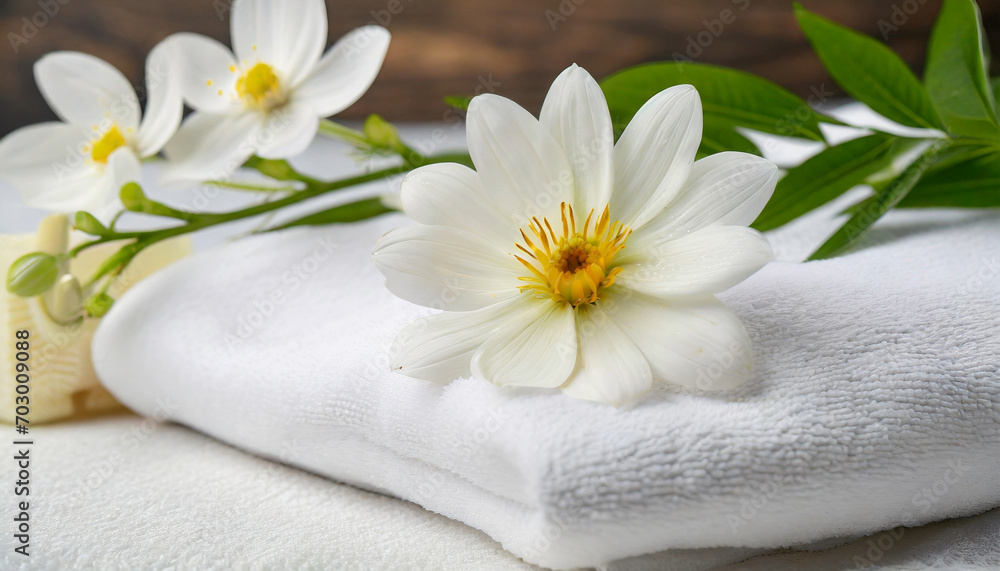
[457, 47]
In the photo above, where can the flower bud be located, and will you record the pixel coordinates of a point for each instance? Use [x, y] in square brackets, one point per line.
[32, 274]
[86, 222]
[133, 197]
[64, 301]
[382, 134]
[53, 235]
[98, 304]
[274, 168]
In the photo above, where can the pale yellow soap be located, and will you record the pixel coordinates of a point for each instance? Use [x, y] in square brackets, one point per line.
[62, 382]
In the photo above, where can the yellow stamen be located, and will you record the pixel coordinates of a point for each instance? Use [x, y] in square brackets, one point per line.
[260, 87]
[575, 266]
[107, 144]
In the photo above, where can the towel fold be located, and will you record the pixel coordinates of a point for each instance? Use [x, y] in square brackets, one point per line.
[874, 403]
[120, 492]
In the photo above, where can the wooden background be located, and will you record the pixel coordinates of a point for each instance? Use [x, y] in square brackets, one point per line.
[454, 47]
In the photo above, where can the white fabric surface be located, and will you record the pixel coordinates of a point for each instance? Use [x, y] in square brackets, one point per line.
[873, 403]
[121, 492]
[126, 493]
[182, 500]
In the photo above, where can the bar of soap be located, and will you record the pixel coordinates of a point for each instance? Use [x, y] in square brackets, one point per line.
[62, 382]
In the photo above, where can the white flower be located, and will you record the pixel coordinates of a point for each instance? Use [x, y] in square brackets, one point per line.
[568, 261]
[266, 99]
[82, 162]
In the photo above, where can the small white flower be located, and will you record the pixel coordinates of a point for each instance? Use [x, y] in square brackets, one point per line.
[82, 162]
[268, 98]
[566, 260]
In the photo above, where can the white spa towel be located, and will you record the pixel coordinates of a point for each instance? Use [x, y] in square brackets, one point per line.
[120, 492]
[874, 400]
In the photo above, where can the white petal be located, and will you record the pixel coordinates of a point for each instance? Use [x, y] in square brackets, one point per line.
[726, 189]
[42, 146]
[609, 367]
[710, 260]
[164, 98]
[208, 73]
[450, 194]
[695, 342]
[287, 132]
[577, 115]
[534, 349]
[210, 147]
[439, 348]
[289, 35]
[46, 163]
[86, 189]
[87, 91]
[521, 165]
[445, 268]
[346, 71]
[122, 168]
[654, 155]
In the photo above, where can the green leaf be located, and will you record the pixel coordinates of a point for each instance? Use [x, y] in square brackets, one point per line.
[719, 136]
[824, 177]
[973, 182]
[731, 97]
[886, 198]
[995, 84]
[956, 72]
[458, 102]
[32, 274]
[351, 212]
[869, 71]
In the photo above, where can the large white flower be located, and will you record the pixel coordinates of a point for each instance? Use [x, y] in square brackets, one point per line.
[82, 162]
[268, 97]
[566, 260]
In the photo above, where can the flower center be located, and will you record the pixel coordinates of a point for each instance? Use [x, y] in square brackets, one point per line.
[573, 266]
[107, 144]
[260, 87]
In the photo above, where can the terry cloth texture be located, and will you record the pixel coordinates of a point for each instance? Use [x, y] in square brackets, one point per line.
[873, 403]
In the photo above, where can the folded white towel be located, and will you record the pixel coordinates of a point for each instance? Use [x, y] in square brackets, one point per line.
[120, 492]
[875, 400]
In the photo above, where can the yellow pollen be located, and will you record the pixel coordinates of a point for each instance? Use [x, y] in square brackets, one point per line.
[260, 87]
[107, 144]
[575, 265]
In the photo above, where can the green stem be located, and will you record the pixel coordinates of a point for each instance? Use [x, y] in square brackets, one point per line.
[114, 220]
[250, 187]
[144, 239]
[334, 130]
